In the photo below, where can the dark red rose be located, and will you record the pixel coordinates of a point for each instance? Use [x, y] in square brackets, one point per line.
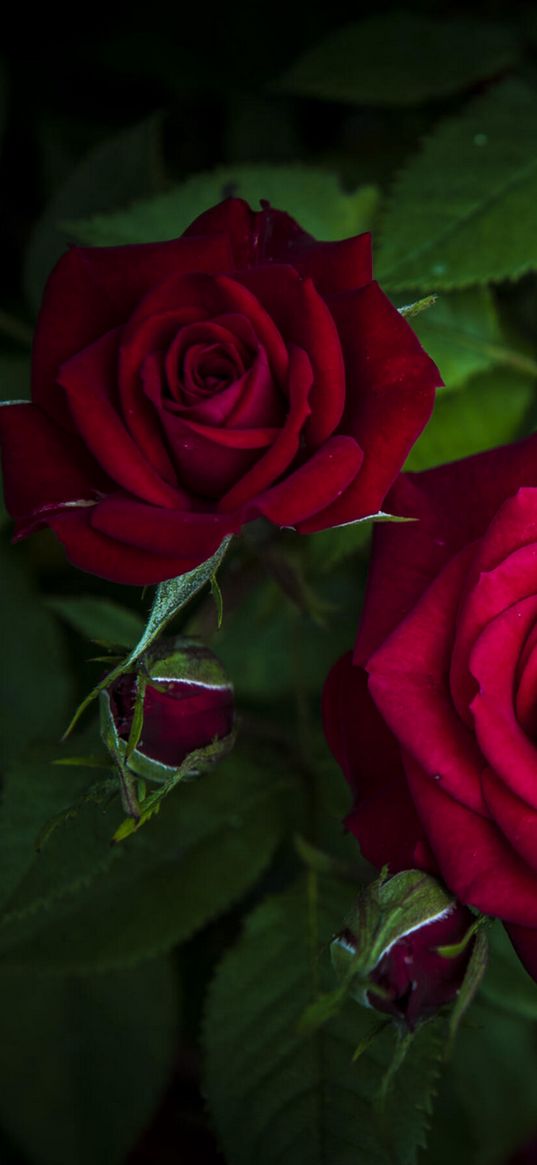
[434, 717]
[187, 705]
[417, 978]
[181, 389]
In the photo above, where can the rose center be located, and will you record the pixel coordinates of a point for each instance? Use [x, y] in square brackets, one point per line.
[208, 368]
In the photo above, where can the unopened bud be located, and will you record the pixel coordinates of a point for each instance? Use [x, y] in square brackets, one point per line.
[180, 701]
[407, 949]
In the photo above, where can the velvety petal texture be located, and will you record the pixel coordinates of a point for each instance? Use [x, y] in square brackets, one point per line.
[181, 389]
[447, 653]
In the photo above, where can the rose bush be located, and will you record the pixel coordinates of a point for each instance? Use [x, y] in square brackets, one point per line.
[434, 717]
[181, 389]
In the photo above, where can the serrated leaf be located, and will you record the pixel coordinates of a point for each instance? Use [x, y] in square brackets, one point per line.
[488, 1093]
[401, 58]
[104, 1048]
[490, 410]
[185, 867]
[313, 196]
[34, 792]
[463, 211]
[119, 169]
[35, 687]
[99, 619]
[507, 984]
[462, 334]
[276, 1095]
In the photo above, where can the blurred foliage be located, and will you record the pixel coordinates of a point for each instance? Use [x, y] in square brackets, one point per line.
[421, 126]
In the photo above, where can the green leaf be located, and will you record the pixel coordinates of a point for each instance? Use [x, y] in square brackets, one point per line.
[119, 169]
[490, 410]
[278, 1095]
[463, 212]
[34, 792]
[185, 867]
[170, 598]
[487, 1098]
[507, 985]
[312, 196]
[102, 1050]
[401, 58]
[268, 646]
[35, 688]
[462, 334]
[99, 619]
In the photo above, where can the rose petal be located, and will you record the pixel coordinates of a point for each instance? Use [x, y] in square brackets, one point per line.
[408, 682]
[493, 663]
[383, 818]
[324, 475]
[439, 498]
[209, 460]
[43, 467]
[304, 319]
[505, 570]
[391, 385]
[524, 940]
[526, 686]
[334, 267]
[150, 338]
[515, 819]
[208, 297]
[189, 536]
[89, 381]
[94, 289]
[476, 862]
[90, 550]
[255, 236]
[284, 447]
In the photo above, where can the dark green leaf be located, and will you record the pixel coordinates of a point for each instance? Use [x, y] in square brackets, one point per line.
[186, 866]
[462, 334]
[84, 1062]
[488, 1097]
[312, 196]
[35, 689]
[488, 411]
[34, 792]
[119, 169]
[463, 212]
[99, 619]
[277, 1095]
[507, 985]
[399, 58]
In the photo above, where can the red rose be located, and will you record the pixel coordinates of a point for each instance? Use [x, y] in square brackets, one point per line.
[183, 388]
[440, 743]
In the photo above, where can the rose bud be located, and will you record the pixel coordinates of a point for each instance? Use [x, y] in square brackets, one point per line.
[397, 964]
[187, 707]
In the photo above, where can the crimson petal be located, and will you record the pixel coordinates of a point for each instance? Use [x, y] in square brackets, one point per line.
[41, 468]
[94, 289]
